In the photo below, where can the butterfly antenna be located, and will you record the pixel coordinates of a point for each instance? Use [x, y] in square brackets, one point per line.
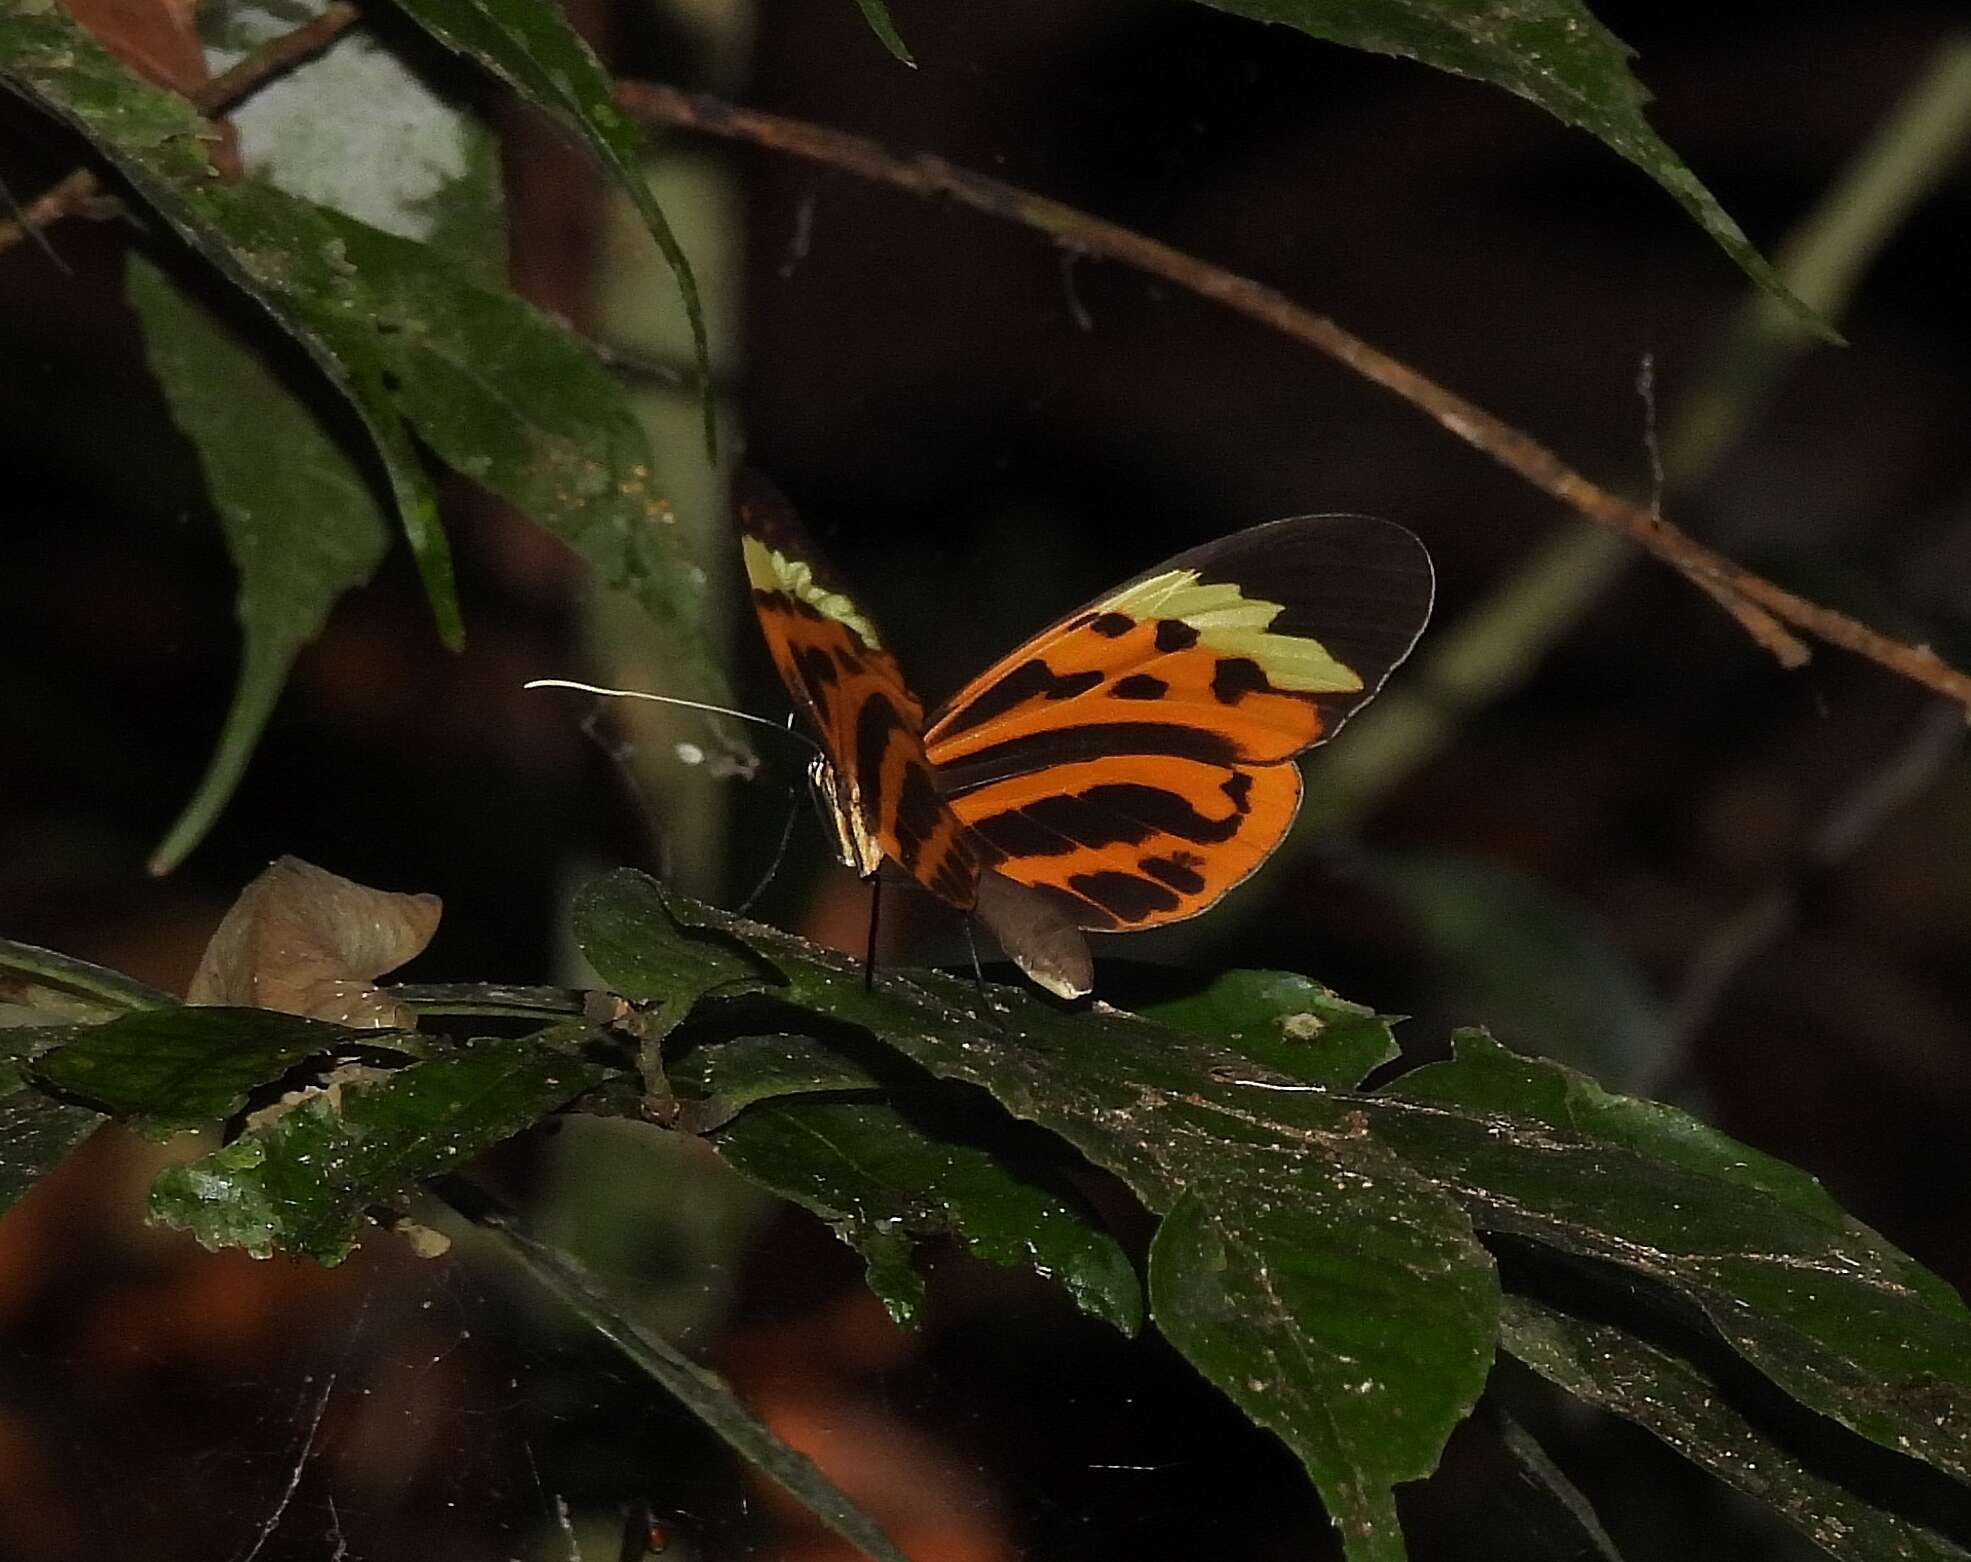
[671, 699]
[869, 949]
[779, 852]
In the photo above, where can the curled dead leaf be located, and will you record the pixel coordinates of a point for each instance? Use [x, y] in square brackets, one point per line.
[306, 941]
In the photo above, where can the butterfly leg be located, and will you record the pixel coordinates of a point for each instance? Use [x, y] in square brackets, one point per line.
[869, 949]
[986, 999]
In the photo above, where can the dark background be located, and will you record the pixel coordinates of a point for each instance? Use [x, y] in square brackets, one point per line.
[984, 435]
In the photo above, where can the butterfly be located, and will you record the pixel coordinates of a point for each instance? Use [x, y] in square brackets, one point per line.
[1123, 768]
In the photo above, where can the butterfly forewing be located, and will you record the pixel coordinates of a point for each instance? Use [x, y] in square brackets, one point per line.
[1134, 761]
[880, 790]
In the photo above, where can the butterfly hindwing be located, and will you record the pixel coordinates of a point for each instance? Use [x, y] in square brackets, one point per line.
[1134, 761]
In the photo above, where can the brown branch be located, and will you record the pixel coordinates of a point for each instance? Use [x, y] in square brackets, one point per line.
[1757, 603]
[74, 192]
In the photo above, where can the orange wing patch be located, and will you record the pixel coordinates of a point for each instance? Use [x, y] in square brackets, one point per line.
[1134, 761]
[1123, 843]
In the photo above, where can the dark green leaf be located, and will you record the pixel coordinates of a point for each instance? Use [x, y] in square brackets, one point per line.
[36, 1132]
[103, 991]
[1503, 950]
[300, 1180]
[508, 397]
[1330, 1302]
[1288, 1023]
[283, 252]
[1550, 52]
[301, 522]
[1817, 1301]
[530, 45]
[1690, 1410]
[877, 15]
[1144, 1102]
[179, 1068]
[1532, 1496]
[614, 919]
[702, 1391]
[748, 1069]
[887, 1174]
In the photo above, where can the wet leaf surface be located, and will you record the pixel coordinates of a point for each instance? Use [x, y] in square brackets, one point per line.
[189, 1067]
[302, 1179]
[889, 1173]
[1606, 1365]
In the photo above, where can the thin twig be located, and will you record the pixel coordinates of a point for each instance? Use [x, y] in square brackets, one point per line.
[1748, 595]
[270, 59]
[72, 194]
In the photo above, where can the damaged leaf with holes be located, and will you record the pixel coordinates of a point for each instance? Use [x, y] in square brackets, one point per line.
[305, 1174]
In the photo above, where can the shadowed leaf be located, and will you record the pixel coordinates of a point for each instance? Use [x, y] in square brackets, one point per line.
[531, 46]
[301, 522]
[1550, 52]
[1606, 1366]
[887, 1173]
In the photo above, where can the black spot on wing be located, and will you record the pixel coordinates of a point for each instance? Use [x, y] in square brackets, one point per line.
[1173, 634]
[875, 724]
[1179, 870]
[1111, 626]
[1153, 809]
[919, 810]
[1032, 679]
[1122, 813]
[1238, 787]
[1235, 677]
[1125, 896]
[1139, 686]
[1091, 740]
[1014, 833]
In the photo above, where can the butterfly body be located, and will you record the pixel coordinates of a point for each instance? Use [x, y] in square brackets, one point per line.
[1123, 768]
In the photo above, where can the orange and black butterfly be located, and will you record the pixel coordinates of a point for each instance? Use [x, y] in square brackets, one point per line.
[1123, 768]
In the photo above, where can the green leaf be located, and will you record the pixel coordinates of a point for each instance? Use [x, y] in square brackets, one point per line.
[36, 1132]
[1330, 1303]
[282, 251]
[1504, 950]
[701, 1391]
[301, 1180]
[889, 1173]
[1550, 52]
[613, 918]
[301, 522]
[1263, 1167]
[505, 395]
[530, 45]
[1695, 1414]
[877, 15]
[97, 988]
[1531, 1498]
[1287, 1023]
[1814, 1299]
[184, 1067]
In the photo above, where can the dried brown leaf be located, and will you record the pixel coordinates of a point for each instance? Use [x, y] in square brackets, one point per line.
[306, 941]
